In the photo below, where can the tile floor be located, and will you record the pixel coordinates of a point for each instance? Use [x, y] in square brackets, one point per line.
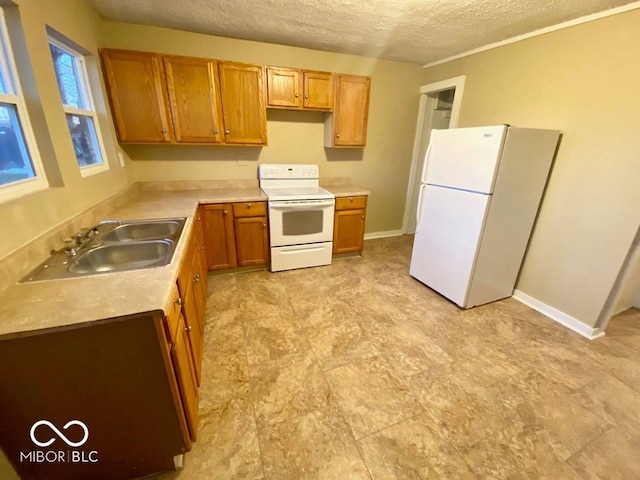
[356, 370]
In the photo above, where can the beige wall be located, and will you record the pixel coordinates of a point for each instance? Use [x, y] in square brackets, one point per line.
[583, 81]
[26, 218]
[294, 137]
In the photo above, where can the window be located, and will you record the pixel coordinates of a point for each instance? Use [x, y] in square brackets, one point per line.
[73, 85]
[20, 167]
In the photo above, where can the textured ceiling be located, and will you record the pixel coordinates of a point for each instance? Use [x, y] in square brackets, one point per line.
[416, 31]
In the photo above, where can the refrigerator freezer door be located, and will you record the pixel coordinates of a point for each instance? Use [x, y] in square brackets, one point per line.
[446, 240]
[464, 158]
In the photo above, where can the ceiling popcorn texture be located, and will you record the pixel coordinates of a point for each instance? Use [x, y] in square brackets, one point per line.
[415, 31]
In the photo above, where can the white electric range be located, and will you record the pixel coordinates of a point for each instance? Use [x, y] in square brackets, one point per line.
[300, 216]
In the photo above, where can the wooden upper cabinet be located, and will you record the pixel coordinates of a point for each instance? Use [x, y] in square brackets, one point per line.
[284, 88]
[136, 87]
[194, 96]
[295, 89]
[347, 126]
[318, 90]
[243, 103]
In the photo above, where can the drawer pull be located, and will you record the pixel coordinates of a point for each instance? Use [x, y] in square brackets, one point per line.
[178, 301]
[188, 328]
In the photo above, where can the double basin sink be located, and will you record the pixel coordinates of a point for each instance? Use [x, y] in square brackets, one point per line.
[113, 246]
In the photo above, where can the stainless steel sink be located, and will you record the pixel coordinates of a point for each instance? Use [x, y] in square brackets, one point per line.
[144, 230]
[122, 256]
[113, 246]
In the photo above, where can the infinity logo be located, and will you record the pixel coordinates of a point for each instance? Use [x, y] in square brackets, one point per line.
[59, 433]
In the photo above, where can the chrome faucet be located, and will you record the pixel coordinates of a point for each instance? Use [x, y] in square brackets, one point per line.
[69, 246]
[73, 244]
[86, 234]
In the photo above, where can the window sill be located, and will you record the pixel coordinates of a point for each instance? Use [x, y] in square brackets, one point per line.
[93, 170]
[22, 189]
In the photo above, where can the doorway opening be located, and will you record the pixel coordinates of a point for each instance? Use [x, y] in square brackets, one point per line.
[439, 108]
[625, 293]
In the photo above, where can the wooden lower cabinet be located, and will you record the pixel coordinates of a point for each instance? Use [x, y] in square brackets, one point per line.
[220, 244]
[116, 375]
[236, 235]
[132, 380]
[183, 362]
[348, 224]
[251, 233]
[252, 241]
[192, 285]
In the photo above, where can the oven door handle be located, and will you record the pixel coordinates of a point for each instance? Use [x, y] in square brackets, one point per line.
[285, 205]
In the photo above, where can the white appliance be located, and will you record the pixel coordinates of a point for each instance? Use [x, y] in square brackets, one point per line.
[300, 216]
[479, 197]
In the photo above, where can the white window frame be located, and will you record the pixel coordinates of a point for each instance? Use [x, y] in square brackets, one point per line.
[83, 81]
[7, 62]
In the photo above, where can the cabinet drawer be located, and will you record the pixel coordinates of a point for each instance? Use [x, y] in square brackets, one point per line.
[249, 209]
[349, 203]
[173, 314]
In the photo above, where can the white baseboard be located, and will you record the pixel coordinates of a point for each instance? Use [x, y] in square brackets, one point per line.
[388, 233]
[558, 316]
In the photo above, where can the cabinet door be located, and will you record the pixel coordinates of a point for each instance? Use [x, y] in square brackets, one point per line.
[182, 363]
[348, 231]
[252, 240]
[136, 87]
[318, 90]
[199, 241]
[193, 328]
[194, 96]
[243, 103]
[220, 246]
[349, 122]
[198, 279]
[283, 87]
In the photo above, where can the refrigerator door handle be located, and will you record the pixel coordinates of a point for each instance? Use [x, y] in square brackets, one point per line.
[419, 208]
[426, 160]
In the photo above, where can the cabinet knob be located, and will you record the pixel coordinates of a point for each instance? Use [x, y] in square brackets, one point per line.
[178, 301]
[297, 95]
[363, 217]
[351, 199]
[216, 131]
[198, 218]
[188, 328]
[248, 205]
[224, 212]
[226, 132]
[306, 96]
[337, 135]
[196, 279]
[164, 130]
[202, 246]
[264, 225]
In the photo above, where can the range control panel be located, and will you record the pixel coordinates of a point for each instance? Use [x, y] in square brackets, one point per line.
[281, 171]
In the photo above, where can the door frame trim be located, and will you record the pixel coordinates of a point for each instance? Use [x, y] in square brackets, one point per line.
[425, 90]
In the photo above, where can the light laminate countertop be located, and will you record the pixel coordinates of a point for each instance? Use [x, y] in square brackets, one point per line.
[27, 307]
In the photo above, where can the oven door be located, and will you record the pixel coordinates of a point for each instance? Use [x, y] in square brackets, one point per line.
[296, 222]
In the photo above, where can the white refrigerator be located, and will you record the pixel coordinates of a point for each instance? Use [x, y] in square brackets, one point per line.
[479, 196]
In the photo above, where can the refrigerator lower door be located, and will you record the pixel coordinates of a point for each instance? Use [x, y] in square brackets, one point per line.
[446, 240]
